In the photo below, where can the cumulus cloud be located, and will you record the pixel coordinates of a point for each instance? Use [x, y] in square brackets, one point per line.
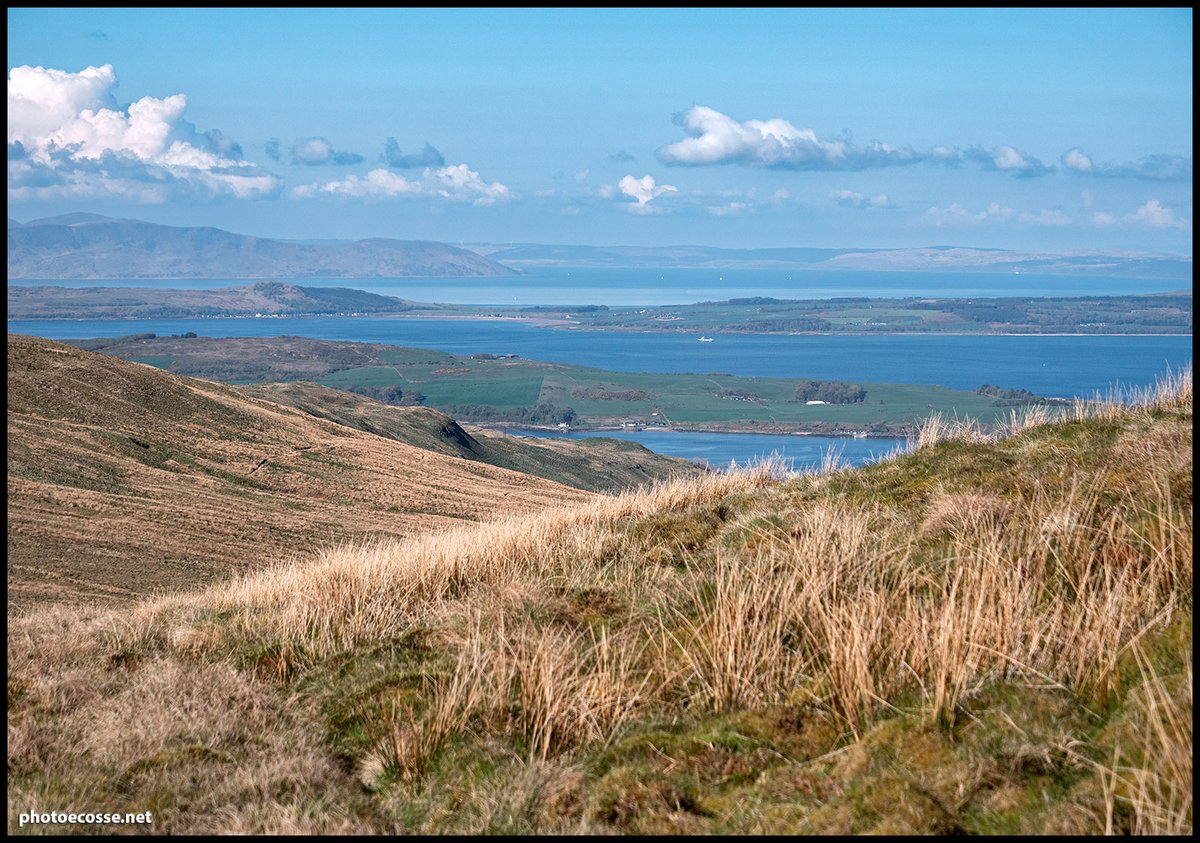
[1077, 160]
[315, 152]
[720, 139]
[75, 141]
[456, 183]
[1103, 218]
[273, 149]
[622, 157]
[1152, 167]
[643, 191]
[853, 199]
[396, 159]
[1155, 215]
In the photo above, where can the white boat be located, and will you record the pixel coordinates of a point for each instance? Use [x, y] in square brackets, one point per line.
[704, 339]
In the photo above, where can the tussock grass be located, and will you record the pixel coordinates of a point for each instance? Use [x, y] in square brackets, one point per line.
[989, 633]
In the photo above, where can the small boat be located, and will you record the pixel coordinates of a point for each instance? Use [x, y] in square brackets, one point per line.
[704, 339]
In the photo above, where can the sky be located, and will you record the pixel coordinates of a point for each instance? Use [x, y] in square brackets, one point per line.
[1030, 129]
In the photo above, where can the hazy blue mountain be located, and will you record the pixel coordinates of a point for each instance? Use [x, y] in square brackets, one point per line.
[927, 259]
[92, 246]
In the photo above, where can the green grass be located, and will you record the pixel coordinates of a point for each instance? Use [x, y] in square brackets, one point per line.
[563, 674]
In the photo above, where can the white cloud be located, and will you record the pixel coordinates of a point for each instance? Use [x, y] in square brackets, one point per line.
[455, 183]
[68, 137]
[1077, 160]
[644, 191]
[1008, 159]
[1155, 215]
[1103, 218]
[719, 139]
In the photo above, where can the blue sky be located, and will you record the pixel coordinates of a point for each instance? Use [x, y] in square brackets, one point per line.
[1048, 130]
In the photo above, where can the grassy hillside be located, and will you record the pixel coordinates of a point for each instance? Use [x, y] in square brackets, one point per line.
[124, 480]
[483, 388]
[598, 465]
[983, 636]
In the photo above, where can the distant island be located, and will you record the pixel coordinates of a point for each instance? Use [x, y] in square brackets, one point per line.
[265, 298]
[93, 246]
[1154, 313]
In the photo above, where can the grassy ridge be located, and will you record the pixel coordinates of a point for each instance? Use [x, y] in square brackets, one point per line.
[988, 635]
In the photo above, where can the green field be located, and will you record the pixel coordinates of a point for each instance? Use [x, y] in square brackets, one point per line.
[600, 397]
[515, 391]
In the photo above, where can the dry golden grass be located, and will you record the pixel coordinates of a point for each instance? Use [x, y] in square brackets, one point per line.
[553, 634]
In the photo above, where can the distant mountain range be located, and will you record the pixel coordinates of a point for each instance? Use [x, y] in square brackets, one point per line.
[926, 259]
[92, 246]
[83, 246]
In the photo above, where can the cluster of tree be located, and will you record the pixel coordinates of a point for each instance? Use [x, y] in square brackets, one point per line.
[391, 394]
[544, 413]
[831, 392]
[1011, 397]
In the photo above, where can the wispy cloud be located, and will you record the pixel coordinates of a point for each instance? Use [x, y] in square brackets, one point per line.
[1047, 216]
[728, 210]
[853, 199]
[456, 183]
[1152, 167]
[643, 191]
[956, 213]
[317, 151]
[68, 138]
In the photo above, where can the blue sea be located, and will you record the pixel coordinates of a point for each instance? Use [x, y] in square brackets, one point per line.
[719, 450]
[1054, 366]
